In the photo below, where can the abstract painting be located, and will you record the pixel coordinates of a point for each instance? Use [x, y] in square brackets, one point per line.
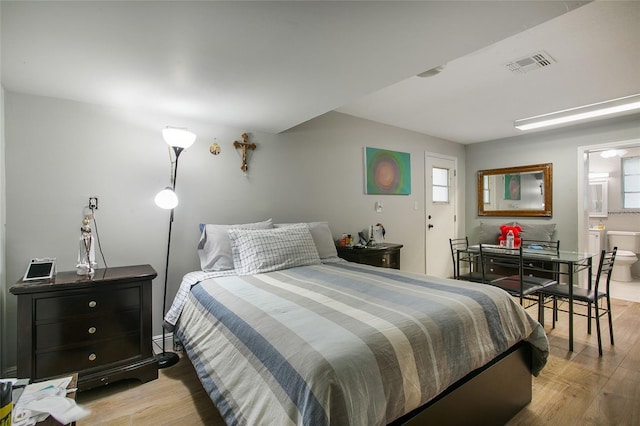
[512, 187]
[387, 172]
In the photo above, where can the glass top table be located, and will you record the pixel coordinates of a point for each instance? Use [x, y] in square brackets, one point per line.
[532, 253]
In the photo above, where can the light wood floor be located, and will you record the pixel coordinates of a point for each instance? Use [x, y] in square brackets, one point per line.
[578, 388]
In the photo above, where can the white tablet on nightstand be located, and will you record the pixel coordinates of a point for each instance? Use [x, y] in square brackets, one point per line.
[40, 269]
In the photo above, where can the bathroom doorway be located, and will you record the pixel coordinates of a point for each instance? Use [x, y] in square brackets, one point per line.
[597, 165]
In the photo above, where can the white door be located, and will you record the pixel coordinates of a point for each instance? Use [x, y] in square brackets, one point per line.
[440, 184]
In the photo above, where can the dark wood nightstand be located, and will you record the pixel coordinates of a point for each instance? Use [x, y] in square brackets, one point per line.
[99, 327]
[385, 255]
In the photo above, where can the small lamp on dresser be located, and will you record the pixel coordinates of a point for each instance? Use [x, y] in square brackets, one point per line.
[178, 140]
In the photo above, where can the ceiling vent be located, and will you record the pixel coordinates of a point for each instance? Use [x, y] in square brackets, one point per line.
[529, 63]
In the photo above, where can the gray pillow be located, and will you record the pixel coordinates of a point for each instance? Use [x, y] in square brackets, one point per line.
[214, 247]
[322, 237]
[537, 231]
[489, 232]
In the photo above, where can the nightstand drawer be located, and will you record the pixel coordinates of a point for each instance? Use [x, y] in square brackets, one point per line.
[87, 330]
[98, 302]
[385, 255]
[53, 363]
[390, 260]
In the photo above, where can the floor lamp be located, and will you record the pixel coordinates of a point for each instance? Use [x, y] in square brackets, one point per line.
[178, 140]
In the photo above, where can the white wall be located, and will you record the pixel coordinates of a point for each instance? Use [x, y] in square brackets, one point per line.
[3, 276]
[3, 280]
[61, 152]
[559, 147]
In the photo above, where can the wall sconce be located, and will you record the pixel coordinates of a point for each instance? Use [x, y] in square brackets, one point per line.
[178, 140]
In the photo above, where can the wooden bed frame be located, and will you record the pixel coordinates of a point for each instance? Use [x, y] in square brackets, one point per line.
[490, 395]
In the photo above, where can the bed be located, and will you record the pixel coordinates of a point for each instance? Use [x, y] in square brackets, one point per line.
[294, 335]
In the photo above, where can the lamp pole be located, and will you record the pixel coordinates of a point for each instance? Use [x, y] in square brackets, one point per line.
[168, 359]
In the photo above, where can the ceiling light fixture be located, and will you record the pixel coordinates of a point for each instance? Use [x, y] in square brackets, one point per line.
[431, 72]
[600, 109]
[610, 153]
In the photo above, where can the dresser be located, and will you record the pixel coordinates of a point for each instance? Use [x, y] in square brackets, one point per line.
[99, 327]
[385, 255]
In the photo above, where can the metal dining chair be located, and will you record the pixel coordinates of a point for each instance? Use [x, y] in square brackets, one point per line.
[590, 297]
[460, 254]
[514, 276]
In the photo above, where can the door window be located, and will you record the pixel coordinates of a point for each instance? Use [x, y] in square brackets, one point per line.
[440, 186]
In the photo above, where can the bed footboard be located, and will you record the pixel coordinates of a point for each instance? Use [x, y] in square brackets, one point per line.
[490, 395]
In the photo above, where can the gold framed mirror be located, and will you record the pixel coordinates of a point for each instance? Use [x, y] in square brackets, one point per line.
[516, 191]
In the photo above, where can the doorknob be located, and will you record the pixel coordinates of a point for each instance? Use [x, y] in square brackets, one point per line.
[430, 226]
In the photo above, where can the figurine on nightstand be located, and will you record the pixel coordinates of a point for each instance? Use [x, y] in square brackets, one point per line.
[86, 251]
[376, 235]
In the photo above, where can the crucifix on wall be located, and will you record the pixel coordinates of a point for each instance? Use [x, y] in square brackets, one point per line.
[244, 145]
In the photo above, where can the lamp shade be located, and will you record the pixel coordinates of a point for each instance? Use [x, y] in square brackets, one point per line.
[166, 199]
[181, 138]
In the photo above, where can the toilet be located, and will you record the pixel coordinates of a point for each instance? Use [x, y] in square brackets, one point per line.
[628, 243]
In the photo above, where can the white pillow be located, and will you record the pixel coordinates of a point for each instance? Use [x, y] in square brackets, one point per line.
[214, 247]
[322, 237]
[264, 250]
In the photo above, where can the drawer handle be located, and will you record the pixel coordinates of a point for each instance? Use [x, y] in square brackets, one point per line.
[93, 304]
[384, 260]
[91, 330]
[92, 357]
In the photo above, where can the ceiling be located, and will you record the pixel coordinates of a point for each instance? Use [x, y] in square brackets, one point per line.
[269, 66]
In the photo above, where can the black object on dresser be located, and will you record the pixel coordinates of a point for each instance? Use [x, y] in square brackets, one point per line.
[386, 255]
[97, 326]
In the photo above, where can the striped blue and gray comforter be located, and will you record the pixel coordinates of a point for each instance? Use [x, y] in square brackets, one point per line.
[343, 343]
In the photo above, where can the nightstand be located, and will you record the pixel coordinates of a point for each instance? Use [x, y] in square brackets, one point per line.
[385, 255]
[99, 327]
